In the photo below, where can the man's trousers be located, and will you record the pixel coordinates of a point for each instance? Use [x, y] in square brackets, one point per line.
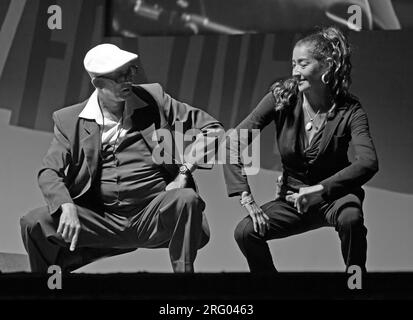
[173, 219]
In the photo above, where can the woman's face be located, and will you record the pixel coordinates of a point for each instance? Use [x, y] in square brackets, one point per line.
[307, 69]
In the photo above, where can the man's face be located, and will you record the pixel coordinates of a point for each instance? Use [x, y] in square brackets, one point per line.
[118, 84]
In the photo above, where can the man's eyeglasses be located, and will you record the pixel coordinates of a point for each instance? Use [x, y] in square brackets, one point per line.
[122, 75]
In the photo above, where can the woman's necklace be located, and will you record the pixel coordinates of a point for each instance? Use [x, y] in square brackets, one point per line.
[309, 124]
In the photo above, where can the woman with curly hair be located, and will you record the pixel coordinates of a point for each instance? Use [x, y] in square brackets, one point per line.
[315, 118]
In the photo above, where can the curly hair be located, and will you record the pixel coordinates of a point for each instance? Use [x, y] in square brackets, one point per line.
[326, 43]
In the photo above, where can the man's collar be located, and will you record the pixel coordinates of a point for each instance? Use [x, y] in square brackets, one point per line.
[133, 103]
[92, 110]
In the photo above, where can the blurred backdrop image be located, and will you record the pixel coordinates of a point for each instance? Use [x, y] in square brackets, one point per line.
[131, 18]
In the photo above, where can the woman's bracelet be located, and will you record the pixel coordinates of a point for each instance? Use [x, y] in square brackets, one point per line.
[246, 200]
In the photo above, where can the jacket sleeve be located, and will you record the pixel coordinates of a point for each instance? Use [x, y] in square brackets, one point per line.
[199, 130]
[362, 169]
[235, 176]
[51, 177]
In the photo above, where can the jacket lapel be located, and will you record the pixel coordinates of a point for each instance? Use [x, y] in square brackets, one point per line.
[90, 142]
[329, 130]
[293, 133]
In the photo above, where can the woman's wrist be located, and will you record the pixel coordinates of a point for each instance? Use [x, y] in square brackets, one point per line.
[246, 198]
[245, 194]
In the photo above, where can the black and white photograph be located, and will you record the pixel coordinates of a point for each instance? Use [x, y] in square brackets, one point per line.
[182, 151]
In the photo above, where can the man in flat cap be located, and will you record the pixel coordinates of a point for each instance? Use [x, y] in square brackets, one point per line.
[106, 192]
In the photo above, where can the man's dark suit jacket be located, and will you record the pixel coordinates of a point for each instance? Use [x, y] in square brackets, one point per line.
[71, 163]
[331, 166]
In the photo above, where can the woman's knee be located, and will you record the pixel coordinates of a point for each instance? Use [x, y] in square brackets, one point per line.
[244, 230]
[350, 217]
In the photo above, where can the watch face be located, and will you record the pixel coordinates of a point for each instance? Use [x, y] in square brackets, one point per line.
[183, 169]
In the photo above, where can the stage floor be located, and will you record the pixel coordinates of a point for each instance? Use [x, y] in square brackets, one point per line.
[207, 286]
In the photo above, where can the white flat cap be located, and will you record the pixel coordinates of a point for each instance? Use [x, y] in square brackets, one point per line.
[106, 58]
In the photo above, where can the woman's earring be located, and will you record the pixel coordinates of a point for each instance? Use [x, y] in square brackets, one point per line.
[323, 78]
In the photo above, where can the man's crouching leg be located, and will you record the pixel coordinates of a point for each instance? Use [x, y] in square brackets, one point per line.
[45, 247]
[184, 215]
[35, 227]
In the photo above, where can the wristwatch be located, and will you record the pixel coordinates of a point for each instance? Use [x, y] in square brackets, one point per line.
[184, 170]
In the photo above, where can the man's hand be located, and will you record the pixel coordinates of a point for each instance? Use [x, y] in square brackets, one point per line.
[306, 197]
[181, 181]
[69, 224]
[259, 218]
